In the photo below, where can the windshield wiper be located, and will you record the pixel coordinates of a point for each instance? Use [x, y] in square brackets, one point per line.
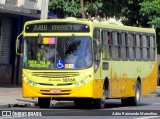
[70, 40]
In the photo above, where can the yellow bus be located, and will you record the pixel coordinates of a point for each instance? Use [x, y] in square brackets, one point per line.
[87, 62]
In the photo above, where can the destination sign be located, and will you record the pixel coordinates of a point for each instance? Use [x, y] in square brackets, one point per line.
[56, 27]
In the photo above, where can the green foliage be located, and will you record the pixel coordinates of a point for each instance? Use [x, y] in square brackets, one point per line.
[91, 7]
[72, 8]
[151, 9]
[131, 13]
[112, 8]
[63, 8]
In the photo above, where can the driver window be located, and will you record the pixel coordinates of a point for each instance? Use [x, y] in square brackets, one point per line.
[97, 53]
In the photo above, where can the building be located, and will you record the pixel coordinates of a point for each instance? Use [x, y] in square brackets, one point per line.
[13, 15]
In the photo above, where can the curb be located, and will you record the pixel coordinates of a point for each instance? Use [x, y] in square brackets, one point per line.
[4, 106]
[19, 105]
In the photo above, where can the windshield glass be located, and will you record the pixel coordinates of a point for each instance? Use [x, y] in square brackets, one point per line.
[57, 52]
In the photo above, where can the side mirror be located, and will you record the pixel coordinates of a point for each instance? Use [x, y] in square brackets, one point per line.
[17, 44]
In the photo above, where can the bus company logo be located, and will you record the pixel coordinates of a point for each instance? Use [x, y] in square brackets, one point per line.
[6, 113]
[54, 79]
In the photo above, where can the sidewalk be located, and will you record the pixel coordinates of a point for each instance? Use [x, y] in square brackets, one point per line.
[12, 97]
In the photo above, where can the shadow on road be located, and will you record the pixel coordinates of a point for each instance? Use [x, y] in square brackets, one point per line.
[110, 104]
[71, 105]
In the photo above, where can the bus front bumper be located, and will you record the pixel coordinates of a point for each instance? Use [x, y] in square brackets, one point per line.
[91, 89]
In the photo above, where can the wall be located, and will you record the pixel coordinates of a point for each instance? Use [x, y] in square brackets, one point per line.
[30, 4]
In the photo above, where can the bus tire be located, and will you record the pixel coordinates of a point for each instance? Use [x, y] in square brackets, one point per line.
[135, 101]
[125, 101]
[77, 103]
[83, 103]
[100, 103]
[44, 102]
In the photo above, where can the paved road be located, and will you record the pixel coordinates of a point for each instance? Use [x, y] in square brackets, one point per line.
[67, 110]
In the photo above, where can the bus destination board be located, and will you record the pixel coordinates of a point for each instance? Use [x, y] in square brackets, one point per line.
[56, 27]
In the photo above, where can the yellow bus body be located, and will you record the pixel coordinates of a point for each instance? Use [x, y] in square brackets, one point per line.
[122, 75]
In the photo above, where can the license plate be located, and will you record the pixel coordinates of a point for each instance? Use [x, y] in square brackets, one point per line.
[55, 91]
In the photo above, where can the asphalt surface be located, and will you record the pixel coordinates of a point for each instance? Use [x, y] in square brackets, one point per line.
[12, 97]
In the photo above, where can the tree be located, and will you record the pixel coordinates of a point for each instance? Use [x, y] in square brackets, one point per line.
[151, 9]
[131, 14]
[82, 9]
[112, 8]
[74, 8]
[63, 8]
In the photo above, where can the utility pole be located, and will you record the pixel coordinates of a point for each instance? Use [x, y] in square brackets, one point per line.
[44, 9]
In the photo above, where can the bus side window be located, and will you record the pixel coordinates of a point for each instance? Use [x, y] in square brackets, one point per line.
[96, 55]
[96, 34]
[131, 46]
[106, 38]
[123, 46]
[144, 45]
[152, 47]
[115, 52]
[109, 38]
[96, 38]
[138, 47]
[96, 50]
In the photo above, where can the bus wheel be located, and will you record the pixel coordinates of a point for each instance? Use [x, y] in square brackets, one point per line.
[135, 101]
[78, 103]
[125, 101]
[100, 103]
[44, 102]
[83, 103]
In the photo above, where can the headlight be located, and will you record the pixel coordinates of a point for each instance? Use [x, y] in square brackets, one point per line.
[76, 84]
[24, 78]
[34, 84]
[87, 79]
[29, 82]
[82, 82]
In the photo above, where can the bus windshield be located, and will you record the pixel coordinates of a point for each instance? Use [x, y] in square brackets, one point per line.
[72, 52]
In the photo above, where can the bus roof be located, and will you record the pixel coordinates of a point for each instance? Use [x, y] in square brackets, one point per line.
[97, 24]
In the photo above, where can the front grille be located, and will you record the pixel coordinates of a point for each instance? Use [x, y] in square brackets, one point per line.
[64, 84]
[61, 84]
[55, 74]
[45, 84]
